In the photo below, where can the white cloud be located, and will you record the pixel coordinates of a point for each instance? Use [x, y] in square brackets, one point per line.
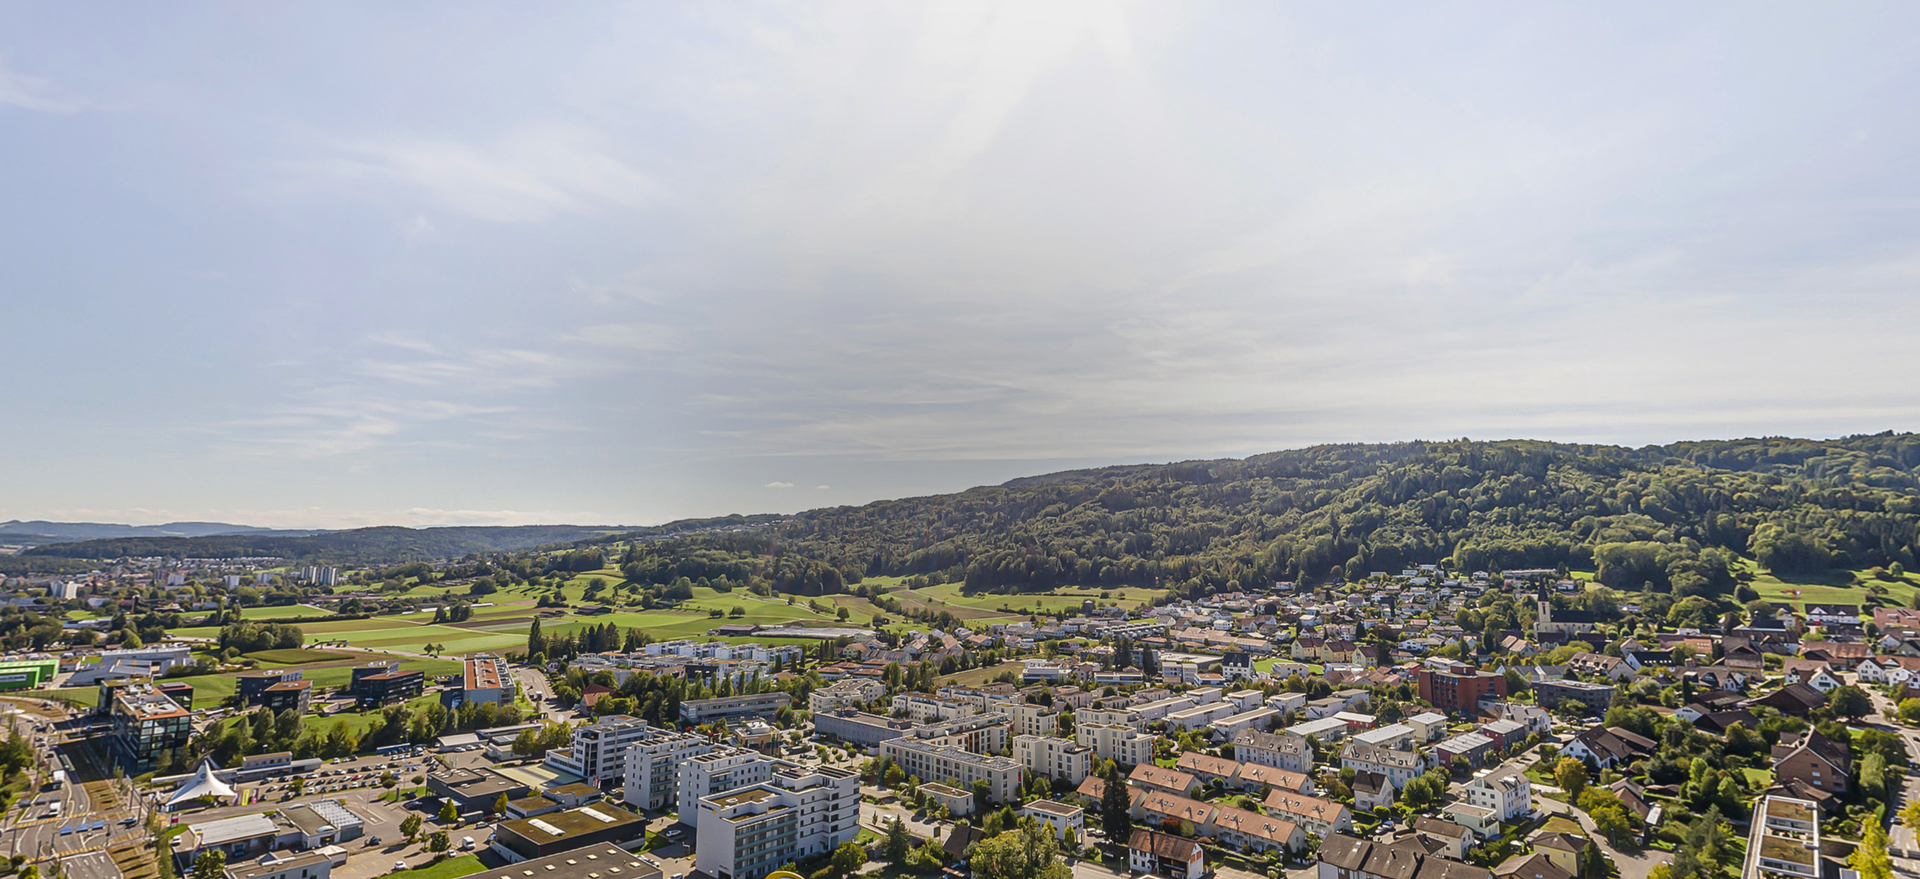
[823, 487]
[35, 93]
[778, 485]
[532, 173]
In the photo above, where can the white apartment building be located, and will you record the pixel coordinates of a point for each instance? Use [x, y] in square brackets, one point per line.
[952, 766]
[599, 749]
[1279, 750]
[1399, 767]
[1033, 720]
[1057, 817]
[928, 709]
[1125, 745]
[797, 813]
[1201, 716]
[1226, 728]
[1509, 796]
[649, 763]
[1110, 717]
[845, 693]
[720, 770]
[1053, 757]
[1155, 711]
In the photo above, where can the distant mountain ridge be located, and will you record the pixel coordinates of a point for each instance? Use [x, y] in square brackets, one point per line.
[39, 531]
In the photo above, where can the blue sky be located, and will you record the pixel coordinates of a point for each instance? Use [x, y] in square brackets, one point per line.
[467, 263]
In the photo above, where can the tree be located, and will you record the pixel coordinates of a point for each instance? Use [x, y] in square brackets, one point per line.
[438, 841]
[500, 805]
[1850, 702]
[899, 843]
[1026, 853]
[410, 827]
[449, 813]
[1115, 801]
[1870, 857]
[212, 864]
[848, 857]
[1571, 775]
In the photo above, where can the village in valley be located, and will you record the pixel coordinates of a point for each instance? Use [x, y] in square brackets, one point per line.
[1423, 724]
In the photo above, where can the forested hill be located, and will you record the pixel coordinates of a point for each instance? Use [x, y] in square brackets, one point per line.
[1674, 516]
[352, 547]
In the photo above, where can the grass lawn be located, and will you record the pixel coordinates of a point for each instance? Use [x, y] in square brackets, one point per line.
[1758, 779]
[1832, 586]
[295, 656]
[287, 611]
[451, 868]
[211, 690]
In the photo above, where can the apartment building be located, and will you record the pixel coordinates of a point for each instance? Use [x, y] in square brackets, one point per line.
[1053, 757]
[1785, 839]
[599, 749]
[1398, 766]
[951, 765]
[845, 693]
[730, 708]
[1033, 720]
[1125, 745]
[1279, 750]
[797, 813]
[652, 763]
[1508, 796]
[923, 708]
[859, 728]
[1313, 814]
[722, 769]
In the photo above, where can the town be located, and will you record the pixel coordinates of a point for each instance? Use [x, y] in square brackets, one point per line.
[1424, 724]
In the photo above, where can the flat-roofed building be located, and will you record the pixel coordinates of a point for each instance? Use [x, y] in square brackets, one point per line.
[377, 685]
[1226, 728]
[651, 765]
[282, 865]
[474, 789]
[947, 763]
[1122, 744]
[324, 822]
[798, 813]
[1785, 839]
[1053, 757]
[590, 862]
[958, 802]
[487, 679]
[295, 696]
[1057, 817]
[761, 705]
[845, 693]
[527, 838]
[145, 722]
[717, 771]
[859, 728]
[249, 686]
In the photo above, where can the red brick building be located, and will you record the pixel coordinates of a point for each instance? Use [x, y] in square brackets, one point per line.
[1460, 692]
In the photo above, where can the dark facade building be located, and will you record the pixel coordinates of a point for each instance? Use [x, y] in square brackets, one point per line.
[472, 789]
[1460, 692]
[376, 685]
[1550, 694]
[180, 692]
[145, 722]
[253, 683]
[288, 695]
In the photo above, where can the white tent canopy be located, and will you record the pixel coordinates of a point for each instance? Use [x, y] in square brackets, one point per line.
[201, 784]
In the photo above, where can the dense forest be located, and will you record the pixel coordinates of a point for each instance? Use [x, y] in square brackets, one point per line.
[1672, 518]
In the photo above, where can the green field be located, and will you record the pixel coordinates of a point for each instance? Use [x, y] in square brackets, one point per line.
[451, 868]
[296, 656]
[211, 690]
[1831, 587]
[285, 611]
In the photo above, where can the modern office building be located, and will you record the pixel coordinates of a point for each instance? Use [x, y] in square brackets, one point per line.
[144, 722]
[952, 766]
[1596, 697]
[475, 789]
[487, 679]
[254, 683]
[283, 865]
[799, 812]
[377, 685]
[720, 770]
[295, 696]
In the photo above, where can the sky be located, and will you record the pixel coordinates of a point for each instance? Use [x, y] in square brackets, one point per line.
[332, 265]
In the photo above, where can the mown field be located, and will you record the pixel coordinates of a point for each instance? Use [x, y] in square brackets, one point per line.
[210, 690]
